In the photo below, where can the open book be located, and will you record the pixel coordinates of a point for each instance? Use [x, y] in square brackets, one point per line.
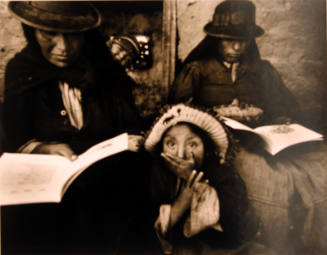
[40, 178]
[278, 137]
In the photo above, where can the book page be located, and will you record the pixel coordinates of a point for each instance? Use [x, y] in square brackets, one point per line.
[95, 153]
[32, 178]
[279, 137]
[236, 125]
[36, 178]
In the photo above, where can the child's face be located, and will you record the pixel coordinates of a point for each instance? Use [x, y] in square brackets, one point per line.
[232, 50]
[182, 142]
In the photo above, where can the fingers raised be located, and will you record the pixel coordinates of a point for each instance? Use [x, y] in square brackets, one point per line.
[190, 178]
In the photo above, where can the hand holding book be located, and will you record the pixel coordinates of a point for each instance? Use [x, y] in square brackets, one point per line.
[280, 136]
[41, 178]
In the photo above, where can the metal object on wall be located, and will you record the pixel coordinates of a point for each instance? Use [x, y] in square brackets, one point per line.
[131, 51]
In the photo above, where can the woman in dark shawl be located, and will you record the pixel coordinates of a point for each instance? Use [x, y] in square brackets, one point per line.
[63, 94]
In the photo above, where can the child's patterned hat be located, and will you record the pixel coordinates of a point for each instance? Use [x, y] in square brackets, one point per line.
[175, 114]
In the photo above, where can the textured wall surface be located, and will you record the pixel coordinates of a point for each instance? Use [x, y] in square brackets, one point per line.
[11, 39]
[117, 21]
[294, 41]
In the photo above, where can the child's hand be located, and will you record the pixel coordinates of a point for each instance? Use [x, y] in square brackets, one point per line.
[185, 196]
[180, 167]
[183, 201]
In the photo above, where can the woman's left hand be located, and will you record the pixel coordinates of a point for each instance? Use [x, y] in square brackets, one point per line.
[181, 167]
[135, 142]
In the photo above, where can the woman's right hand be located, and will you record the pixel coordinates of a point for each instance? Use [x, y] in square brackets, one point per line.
[185, 197]
[61, 149]
[183, 201]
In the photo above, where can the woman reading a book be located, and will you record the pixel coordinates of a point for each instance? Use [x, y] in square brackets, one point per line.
[65, 93]
[200, 200]
[225, 72]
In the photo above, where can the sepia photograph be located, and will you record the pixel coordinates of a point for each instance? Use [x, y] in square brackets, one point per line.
[182, 127]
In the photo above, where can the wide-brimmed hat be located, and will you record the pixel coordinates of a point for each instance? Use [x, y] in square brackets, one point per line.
[182, 113]
[234, 19]
[57, 16]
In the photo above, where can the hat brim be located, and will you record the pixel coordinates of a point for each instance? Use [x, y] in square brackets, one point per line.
[54, 22]
[233, 32]
[182, 113]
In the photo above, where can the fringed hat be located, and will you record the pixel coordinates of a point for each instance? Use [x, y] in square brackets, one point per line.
[175, 114]
[56, 16]
[234, 19]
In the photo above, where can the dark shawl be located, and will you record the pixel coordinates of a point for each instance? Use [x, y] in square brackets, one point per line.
[33, 101]
[258, 82]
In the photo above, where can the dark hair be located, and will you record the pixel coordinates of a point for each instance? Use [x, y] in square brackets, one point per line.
[29, 33]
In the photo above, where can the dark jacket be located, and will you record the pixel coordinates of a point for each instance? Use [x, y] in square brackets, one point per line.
[204, 78]
[33, 107]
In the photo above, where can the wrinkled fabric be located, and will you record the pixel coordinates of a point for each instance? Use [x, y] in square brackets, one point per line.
[222, 220]
[204, 212]
[272, 183]
[72, 100]
[161, 227]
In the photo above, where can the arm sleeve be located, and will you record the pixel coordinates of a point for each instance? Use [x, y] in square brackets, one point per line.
[186, 84]
[17, 122]
[205, 211]
[161, 227]
[278, 100]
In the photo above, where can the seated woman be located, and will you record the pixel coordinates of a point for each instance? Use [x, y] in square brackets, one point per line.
[201, 202]
[64, 93]
[226, 73]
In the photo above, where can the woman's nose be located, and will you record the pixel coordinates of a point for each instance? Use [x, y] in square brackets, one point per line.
[236, 45]
[61, 43]
[181, 152]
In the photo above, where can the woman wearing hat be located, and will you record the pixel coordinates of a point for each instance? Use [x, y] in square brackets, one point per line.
[200, 200]
[225, 72]
[64, 93]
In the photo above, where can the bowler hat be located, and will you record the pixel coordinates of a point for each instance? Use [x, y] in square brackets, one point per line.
[234, 19]
[56, 16]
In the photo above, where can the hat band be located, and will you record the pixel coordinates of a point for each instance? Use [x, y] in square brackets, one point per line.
[233, 31]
